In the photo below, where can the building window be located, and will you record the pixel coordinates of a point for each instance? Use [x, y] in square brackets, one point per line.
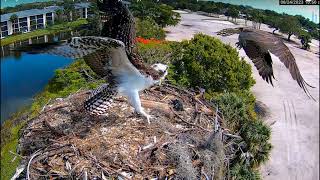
[84, 12]
[49, 16]
[23, 25]
[23, 19]
[40, 26]
[15, 26]
[90, 12]
[4, 34]
[36, 22]
[33, 23]
[4, 29]
[49, 19]
[4, 26]
[39, 21]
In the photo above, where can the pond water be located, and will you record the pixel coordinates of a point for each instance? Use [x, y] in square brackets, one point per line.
[24, 75]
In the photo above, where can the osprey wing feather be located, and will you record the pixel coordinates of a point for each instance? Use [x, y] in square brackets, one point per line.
[259, 44]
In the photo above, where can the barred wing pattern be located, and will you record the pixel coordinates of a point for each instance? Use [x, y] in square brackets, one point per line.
[259, 44]
[100, 99]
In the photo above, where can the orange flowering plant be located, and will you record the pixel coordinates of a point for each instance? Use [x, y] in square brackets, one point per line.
[154, 50]
[148, 41]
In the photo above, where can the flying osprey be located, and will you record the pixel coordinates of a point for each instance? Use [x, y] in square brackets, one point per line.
[109, 56]
[258, 45]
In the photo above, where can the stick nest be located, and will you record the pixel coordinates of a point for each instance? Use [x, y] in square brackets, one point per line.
[183, 141]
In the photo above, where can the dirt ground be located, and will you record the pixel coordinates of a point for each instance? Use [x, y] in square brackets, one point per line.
[295, 117]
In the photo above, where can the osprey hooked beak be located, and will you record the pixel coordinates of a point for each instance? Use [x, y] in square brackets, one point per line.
[163, 69]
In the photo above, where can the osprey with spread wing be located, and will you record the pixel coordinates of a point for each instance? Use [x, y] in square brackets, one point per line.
[259, 45]
[109, 56]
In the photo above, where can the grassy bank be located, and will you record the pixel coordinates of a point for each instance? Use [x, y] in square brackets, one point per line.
[53, 29]
[65, 82]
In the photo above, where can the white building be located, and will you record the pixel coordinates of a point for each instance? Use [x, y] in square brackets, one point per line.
[29, 20]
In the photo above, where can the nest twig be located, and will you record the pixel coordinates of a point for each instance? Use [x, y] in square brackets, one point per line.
[120, 144]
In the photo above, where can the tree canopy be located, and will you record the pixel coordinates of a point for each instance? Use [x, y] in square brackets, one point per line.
[206, 61]
[161, 13]
[13, 17]
[290, 25]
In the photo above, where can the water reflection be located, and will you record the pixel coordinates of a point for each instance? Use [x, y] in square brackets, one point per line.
[5, 50]
[24, 75]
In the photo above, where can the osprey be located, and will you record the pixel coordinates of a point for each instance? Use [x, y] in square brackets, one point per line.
[112, 57]
[259, 45]
[122, 76]
[118, 23]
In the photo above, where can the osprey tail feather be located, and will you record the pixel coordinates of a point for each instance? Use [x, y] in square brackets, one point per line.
[100, 100]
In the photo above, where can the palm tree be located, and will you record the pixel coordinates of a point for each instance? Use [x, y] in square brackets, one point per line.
[13, 19]
[68, 8]
[59, 13]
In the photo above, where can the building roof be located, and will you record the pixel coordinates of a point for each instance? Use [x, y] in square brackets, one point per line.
[33, 12]
[82, 5]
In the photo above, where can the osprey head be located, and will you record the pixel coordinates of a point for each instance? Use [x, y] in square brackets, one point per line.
[162, 69]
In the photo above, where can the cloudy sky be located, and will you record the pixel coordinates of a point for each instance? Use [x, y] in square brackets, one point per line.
[303, 10]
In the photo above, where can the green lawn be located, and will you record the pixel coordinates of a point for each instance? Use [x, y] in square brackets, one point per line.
[8, 162]
[53, 29]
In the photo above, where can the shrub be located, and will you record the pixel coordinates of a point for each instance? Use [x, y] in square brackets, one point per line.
[155, 52]
[256, 135]
[208, 62]
[243, 172]
[148, 28]
[305, 39]
[237, 114]
[234, 110]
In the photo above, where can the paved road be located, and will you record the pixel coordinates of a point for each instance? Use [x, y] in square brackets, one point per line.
[295, 133]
